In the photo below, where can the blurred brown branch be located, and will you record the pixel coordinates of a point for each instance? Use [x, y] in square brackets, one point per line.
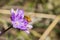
[49, 29]
[39, 15]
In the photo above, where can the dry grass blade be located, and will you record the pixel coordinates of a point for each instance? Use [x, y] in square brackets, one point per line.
[36, 34]
[39, 15]
[49, 29]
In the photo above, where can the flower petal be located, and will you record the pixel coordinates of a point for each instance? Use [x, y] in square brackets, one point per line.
[13, 17]
[17, 19]
[12, 11]
[29, 26]
[16, 12]
[27, 31]
[21, 14]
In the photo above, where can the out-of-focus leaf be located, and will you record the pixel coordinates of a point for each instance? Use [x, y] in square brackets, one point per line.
[24, 35]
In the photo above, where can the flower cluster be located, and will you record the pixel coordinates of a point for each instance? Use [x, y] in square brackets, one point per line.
[18, 21]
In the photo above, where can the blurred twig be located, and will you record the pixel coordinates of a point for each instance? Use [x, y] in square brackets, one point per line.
[5, 30]
[39, 15]
[49, 29]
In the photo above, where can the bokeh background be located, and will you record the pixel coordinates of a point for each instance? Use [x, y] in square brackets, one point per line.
[32, 8]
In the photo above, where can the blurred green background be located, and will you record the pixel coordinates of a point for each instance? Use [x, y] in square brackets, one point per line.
[39, 24]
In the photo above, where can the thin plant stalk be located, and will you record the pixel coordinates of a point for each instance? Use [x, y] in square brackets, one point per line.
[5, 31]
[49, 29]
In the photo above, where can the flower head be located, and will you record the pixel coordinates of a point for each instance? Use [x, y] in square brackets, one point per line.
[17, 19]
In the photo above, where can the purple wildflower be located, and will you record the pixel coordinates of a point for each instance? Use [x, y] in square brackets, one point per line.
[17, 19]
